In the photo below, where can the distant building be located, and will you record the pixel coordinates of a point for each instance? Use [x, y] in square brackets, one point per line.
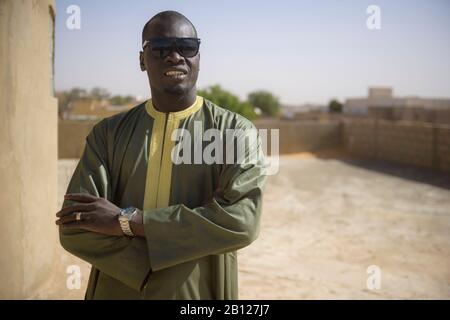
[293, 112]
[91, 109]
[381, 99]
[380, 92]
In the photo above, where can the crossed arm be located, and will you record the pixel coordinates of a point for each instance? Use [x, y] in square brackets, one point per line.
[97, 215]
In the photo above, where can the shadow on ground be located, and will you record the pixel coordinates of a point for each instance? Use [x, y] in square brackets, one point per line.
[417, 174]
[409, 172]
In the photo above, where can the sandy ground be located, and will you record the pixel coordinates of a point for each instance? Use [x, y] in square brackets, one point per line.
[326, 220]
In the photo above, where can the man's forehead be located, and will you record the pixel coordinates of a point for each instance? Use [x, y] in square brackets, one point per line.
[176, 27]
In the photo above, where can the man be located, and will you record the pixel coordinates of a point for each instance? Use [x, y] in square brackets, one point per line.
[152, 228]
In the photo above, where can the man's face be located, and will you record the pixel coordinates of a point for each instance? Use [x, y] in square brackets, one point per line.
[158, 67]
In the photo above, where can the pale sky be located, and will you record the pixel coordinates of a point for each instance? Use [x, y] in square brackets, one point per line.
[302, 51]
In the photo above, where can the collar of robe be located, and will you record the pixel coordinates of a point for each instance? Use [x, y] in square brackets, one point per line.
[175, 115]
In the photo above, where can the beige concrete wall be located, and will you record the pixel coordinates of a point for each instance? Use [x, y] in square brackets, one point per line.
[406, 143]
[299, 136]
[413, 143]
[442, 140]
[295, 136]
[360, 137]
[28, 147]
[71, 138]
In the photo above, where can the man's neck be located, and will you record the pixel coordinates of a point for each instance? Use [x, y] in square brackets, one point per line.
[164, 102]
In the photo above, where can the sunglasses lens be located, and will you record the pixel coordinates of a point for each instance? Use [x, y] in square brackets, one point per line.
[162, 47]
[188, 47]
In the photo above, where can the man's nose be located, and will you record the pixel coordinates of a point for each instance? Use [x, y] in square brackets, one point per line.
[174, 57]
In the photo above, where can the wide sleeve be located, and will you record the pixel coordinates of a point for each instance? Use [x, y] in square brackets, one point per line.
[227, 222]
[125, 259]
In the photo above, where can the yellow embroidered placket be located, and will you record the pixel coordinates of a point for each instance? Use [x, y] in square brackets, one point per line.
[159, 167]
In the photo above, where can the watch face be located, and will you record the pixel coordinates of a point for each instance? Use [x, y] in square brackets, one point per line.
[128, 212]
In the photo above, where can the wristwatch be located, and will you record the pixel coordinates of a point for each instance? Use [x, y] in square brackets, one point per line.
[124, 219]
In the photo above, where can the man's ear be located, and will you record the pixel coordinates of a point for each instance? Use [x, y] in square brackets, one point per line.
[141, 61]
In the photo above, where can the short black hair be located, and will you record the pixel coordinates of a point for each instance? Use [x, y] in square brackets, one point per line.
[166, 15]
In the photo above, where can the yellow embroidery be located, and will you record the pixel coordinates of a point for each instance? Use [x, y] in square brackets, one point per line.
[159, 170]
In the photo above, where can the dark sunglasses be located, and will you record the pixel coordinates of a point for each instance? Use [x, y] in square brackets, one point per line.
[162, 47]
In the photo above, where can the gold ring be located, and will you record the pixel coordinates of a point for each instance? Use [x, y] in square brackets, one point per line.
[78, 216]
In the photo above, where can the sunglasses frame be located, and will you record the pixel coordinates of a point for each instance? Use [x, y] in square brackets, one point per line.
[174, 46]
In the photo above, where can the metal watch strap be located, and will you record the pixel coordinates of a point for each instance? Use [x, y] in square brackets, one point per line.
[125, 226]
[124, 220]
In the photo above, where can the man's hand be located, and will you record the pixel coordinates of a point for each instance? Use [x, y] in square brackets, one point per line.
[97, 215]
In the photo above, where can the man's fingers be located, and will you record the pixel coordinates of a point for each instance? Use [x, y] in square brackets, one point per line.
[75, 225]
[66, 219]
[79, 207]
[80, 197]
[72, 218]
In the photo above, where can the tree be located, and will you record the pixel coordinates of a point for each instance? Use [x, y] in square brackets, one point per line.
[66, 97]
[265, 101]
[227, 100]
[99, 93]
[77, 93]
[121, 100]
[63, 102]
[335, 106]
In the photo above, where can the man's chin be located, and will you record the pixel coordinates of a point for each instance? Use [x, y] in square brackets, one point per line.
[176, 90]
